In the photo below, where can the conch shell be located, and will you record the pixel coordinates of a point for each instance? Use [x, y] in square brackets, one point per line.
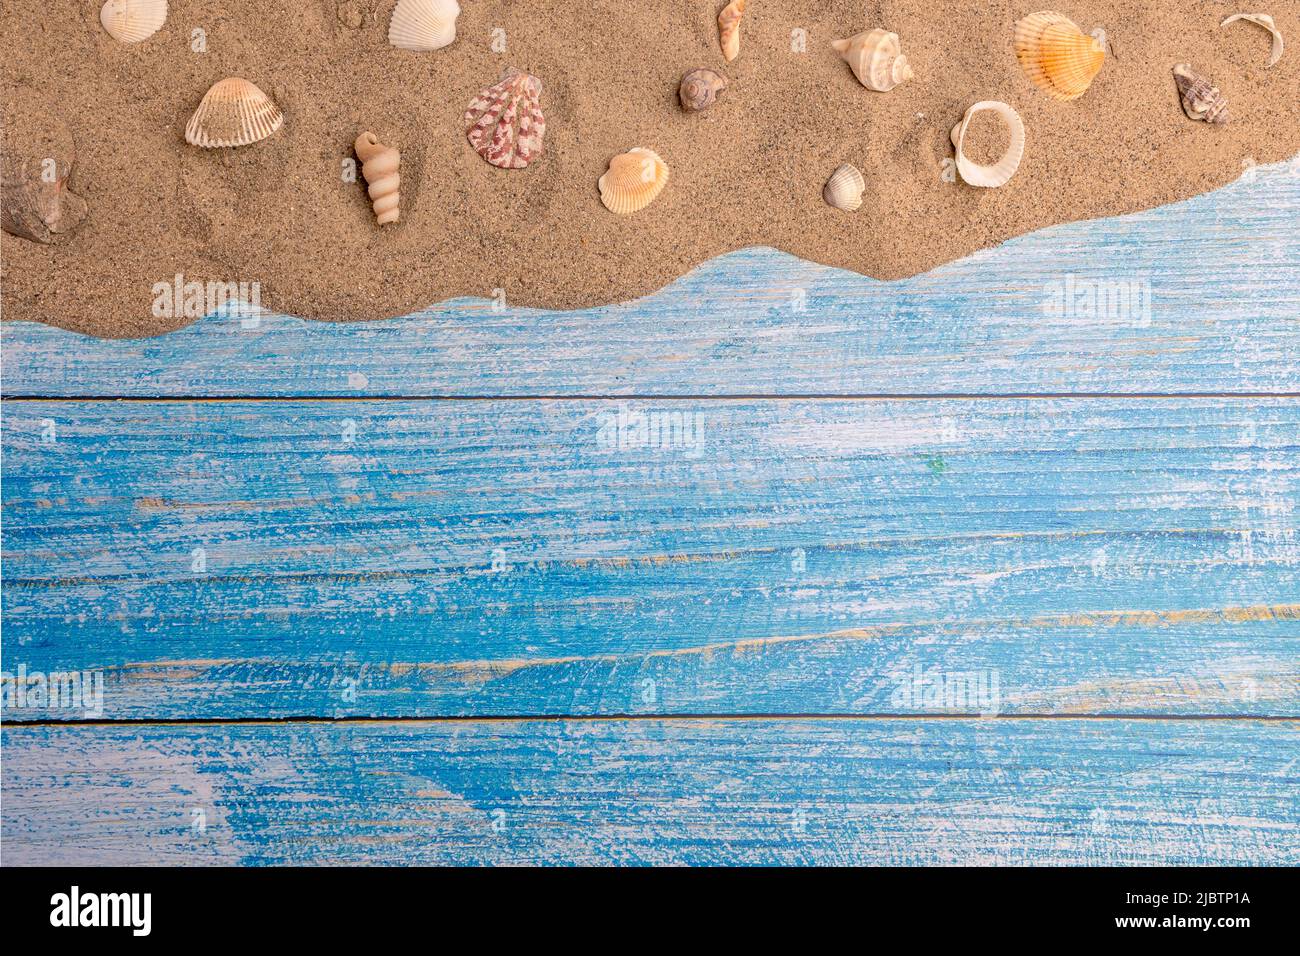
[844, 189]
[700, 88]
[423, 24]
[877, 59]
[633, 180]
[379, 165]
[1056, 55]
[36, 159]
[1201, 100]
[729, 29]
[130, 21]
[1000, 173]
[1265, 21]
[504, 123]
[233, 113]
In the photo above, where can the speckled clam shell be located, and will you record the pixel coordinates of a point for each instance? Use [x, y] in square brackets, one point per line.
[131, 21]
[876, 58]
[699, 89]
[1000, 173]
[729, 29]
[233, 113]
[845, 187]
[633, 180]
[1200, 98]
[1265, 21]
[1058, 57]
[504, 123]
[423, 24]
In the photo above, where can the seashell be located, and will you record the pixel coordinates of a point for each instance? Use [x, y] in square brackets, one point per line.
[633, 180]
[131, 21]
[1265, 21]
[423, 24]
[729, 29]
[844, 189]
[1201, 100]
[504, 123]
[700, 88]
[35, 202]
[876, 58]
[1056, 55]
[1000, 173]
[233, 113]
[379, 165]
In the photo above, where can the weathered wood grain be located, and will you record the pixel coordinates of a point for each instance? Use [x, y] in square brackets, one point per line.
[1220, 273]
[415, 558]
[919, 791]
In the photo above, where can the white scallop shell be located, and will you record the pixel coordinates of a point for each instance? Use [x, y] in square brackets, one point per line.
[1265, 21]
[131, 21]
[845, 187]
[423, 24]
[1000, 173]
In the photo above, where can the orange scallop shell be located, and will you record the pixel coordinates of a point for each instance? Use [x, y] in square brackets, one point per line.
[633, 180]
[1056, 55]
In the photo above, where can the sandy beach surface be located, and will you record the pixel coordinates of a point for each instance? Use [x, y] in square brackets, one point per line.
[748, 171]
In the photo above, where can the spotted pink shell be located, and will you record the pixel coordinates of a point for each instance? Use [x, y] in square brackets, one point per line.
[505, 124]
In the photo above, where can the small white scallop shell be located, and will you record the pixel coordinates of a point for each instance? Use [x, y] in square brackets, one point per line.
[423, 24]
[131, 21]
[1265, 21]
[845, 187]
[1000, 173]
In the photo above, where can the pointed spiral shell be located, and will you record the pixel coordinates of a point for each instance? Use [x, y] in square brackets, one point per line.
[379, 165]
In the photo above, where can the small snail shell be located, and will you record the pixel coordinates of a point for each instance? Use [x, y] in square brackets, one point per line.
[379, 165]
[700, 88]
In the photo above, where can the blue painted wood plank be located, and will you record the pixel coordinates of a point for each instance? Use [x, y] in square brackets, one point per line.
[394, 558]
[873, 791]
[1198, 297]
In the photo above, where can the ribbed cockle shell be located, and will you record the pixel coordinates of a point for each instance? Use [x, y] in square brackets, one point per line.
[1056, 55]
[700, 88]
[233, 113]
[1201, 99]
[877, 59]
[729, 29]
[633, 180]
[999, 173]
[504, 123]
[423, 24]
[844, 189]
[130, 21]
[379, 165]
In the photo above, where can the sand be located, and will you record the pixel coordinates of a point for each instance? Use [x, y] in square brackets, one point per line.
[749, 171]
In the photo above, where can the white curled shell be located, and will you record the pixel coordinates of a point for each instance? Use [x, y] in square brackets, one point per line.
[233, 113]
[1265, 21]
[845, 187]
[1000, 173]
[423, 24]
[130, 21]
[876, 58]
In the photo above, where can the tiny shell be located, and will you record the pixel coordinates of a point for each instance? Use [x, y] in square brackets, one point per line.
[1056, 55]
[504, 123]
[379, 165]
[233, 113]
[1201, 100]
[844, 189]
[1000, 173]
[423, 24]
[1265, 21]
[877, 59]
[729, 29]
[700, 88]
[131, 21]
[633, 180]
